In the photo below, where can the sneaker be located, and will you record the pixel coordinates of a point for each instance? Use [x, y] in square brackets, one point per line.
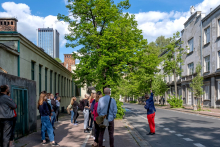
[44, 143]
[55, 144]
[75, 124]
[150, 133]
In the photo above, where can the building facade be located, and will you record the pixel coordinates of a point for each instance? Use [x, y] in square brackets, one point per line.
[48, 39]
[201, 39]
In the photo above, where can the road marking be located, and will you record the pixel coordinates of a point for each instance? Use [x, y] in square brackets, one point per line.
[86, 140]
[143, 117]
[172, 131]
[199, 145]
[166, 129]
[187, 139]
[179, 135]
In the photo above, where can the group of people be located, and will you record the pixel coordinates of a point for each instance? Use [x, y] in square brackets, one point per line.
[8, 117]
[49, 107]
[94, 106]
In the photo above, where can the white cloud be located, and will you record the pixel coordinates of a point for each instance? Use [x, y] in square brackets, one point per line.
[28, 23]
[155, 23]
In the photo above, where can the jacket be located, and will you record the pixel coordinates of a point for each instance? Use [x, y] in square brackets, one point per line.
[103, 106]
[150, 105]
[44, 110]
[7, 107]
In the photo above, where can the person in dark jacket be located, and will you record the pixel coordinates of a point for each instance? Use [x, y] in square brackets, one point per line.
[54, 107]
[45, 120]
[150, 112]
[7, 107]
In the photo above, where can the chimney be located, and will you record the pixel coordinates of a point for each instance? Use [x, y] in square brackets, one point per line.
[8, 24]
[192, 9]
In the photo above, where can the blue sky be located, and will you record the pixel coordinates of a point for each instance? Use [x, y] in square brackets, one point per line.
[155, 17]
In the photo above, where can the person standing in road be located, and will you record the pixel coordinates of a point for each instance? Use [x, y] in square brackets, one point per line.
[102, 111]
[150, 112]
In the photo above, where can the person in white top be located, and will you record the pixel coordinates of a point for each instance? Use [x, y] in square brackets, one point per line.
[58, 108]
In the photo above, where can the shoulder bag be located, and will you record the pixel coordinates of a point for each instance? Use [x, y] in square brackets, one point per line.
[105, 122]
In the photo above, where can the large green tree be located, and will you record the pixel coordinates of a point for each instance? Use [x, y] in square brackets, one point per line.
[109, 39]
[173, 59]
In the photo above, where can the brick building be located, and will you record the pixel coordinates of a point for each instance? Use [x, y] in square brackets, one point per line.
[68, 61]
[8, 24]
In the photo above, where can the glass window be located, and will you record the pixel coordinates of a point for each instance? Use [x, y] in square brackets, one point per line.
[32, 70]
[207, 64]
[45, 79]
[51, 74]
[207, 35]
[55, 82]
[190, 68]
[219, 27]
[190, 43]
[207, 92]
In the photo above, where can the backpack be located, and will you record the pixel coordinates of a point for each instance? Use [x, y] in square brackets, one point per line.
[81, 105]
[68, 109]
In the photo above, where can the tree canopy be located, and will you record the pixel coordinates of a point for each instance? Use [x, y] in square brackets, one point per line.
[58, 60]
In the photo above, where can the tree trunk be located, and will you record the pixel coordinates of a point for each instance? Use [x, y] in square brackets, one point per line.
[175, 84]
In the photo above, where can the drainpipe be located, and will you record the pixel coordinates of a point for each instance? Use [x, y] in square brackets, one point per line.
[19, 58]
[201, 55]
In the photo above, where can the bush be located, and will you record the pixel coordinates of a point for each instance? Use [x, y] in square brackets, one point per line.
[132, 102]
[175, 102]
[121, 110]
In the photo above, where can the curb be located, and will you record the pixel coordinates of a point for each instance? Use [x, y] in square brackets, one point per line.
[190, 112]
[136, 136]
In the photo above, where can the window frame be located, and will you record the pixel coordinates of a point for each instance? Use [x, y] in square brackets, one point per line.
[51, 81]
[207, 95]
[205, 66]
[40, 77]
[205, 35]
[46, 69]
[191, 41]
[32, 70]
[189, 69]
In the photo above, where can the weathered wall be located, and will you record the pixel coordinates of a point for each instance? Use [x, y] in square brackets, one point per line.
[31, 87]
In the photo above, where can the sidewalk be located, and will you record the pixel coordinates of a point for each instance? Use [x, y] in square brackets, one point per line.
[68, 135]
[206, 111]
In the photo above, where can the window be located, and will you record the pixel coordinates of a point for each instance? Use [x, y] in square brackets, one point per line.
[207, 35]
[207, 92]
[55, 83]
[190, 68]
[32, 70]
[190, 44]
[39, 78]
[218, 59]
[1, 22]
[51, 74]
[64, 86]
[8, 23]
[207, 64]
[12, 23]
[219, 27]
[72, 88]
[46, 79]
[189, 97]
[4, 22]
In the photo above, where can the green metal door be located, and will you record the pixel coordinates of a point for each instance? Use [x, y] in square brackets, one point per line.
[20, 97]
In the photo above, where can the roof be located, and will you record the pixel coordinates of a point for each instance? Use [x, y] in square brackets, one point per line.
[192, 16]
[8, 18]
[9, 49]
[211, 13]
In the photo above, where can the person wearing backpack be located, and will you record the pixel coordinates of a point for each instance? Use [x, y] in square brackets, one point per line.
[84, 105]
[150, 112]
[107, 107]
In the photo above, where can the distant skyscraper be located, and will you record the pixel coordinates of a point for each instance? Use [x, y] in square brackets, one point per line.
[48, 39]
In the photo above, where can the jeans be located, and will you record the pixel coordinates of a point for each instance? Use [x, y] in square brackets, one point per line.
[57, 113]
[5, 131]
[53, 118]
[97, 130]
[86, 118]
[72, 115]
[13, 129]
[111, 134]
[46, 126]
[151, 122]
[90, 119]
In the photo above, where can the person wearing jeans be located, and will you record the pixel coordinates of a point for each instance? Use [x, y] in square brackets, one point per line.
[45, 120]
[86, 113]
[102, 111]
[150, 112]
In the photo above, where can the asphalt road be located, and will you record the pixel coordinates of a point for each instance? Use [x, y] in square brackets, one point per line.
[175, 129]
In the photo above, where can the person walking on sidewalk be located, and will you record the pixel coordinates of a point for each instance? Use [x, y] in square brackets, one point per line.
[102, 111]
[150, 112]
[53, 105]
[7, 107]
[84, 104]
[45, 120]
[58, 100]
